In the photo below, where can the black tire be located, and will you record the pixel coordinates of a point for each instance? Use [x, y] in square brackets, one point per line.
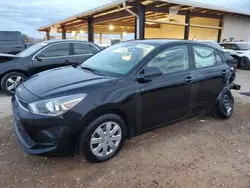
[224, 110]
[245, 63]
[4, 83]
[85, 138]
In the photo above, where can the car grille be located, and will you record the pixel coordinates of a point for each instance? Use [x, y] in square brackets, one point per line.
[22, 103]
[26, 138]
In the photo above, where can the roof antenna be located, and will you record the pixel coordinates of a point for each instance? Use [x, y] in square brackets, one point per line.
[194, 38]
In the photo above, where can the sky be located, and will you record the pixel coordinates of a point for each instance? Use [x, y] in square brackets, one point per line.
[28, 15]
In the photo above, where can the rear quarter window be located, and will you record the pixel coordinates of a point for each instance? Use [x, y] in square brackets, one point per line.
[204, 56]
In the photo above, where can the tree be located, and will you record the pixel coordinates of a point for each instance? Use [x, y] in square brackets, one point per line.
[26, 38]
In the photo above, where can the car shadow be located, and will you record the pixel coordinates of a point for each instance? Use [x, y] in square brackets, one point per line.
[2, 94]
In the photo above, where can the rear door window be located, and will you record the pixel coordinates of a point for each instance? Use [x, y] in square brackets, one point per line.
[218, 58]
[82, 49]
[204, 56]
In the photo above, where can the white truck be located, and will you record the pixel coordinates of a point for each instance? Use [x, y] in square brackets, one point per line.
[240, 51]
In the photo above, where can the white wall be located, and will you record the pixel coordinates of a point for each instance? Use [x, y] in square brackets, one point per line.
[237, 27]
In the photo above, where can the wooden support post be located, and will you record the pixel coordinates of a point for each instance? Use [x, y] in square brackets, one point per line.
[135, 37]
[220, 30]
[63, 33]
[90, 29]
[187, 27]
[47, 35]
[141, 13]
[121, 36]
[100, 38]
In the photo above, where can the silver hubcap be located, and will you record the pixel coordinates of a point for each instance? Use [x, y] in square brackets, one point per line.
[227, 104]
[106, 139]
[13, 82]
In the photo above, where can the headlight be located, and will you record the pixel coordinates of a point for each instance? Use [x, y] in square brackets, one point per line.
[56, 106]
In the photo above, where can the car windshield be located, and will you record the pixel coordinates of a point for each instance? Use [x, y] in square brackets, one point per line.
[236, 46]
[118, 59]
[27, 52]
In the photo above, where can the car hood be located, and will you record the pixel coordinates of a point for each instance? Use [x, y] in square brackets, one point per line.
[62, 81]
[234, 52]
[7, 57]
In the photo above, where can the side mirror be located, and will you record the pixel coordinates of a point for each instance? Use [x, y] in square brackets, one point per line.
[148, 73]
[39, 57]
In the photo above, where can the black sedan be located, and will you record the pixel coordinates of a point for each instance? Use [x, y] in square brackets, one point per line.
[121, 92]
[40, 57]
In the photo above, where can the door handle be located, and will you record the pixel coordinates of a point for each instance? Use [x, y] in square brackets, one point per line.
[189, 79]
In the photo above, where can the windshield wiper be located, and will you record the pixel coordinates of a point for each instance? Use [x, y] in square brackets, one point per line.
[93, 71]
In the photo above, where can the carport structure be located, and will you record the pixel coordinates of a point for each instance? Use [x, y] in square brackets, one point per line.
[148, 19]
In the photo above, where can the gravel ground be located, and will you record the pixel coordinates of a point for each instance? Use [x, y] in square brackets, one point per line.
[200, 152]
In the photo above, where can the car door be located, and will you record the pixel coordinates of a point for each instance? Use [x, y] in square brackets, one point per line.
[81, 51]
[166, 98]
[52, 56]
[210, 77]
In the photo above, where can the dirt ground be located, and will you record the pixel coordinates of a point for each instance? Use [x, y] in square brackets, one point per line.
[200, 152]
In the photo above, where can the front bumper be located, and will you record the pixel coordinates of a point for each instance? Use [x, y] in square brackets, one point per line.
[42, 135]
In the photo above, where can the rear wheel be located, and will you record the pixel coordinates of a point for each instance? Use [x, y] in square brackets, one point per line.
[103, 138]
[245, 63]
[225, 106]
[11, 80]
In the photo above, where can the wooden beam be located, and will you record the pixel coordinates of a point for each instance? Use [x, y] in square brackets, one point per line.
[81, 22]
[182, 12]
[109, 17]
[128, 24]
[163, 22]
[205, 26]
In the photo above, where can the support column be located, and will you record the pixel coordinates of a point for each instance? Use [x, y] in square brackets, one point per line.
[47, 35]
[100, 38]
[121, 36]
[63, 33]
[187, 27]
[141, 14]
[220, 30]
[135, 37]
[90, 29]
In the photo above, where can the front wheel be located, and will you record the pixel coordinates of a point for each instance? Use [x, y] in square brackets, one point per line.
[225, 106]
[103, 138]
[10, 82]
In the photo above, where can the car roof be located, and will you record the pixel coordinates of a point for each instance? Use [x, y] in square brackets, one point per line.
[63, 40]
[165, 41]
[161, 42]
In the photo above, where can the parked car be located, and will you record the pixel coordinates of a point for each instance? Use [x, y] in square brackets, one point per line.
[40, 57]
[11, 42]
[121, 92]
[240, 51]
